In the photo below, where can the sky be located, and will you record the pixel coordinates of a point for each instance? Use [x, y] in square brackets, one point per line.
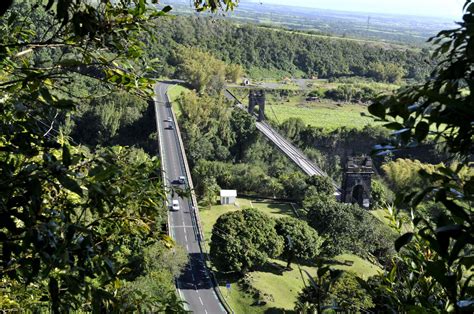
[441, 8]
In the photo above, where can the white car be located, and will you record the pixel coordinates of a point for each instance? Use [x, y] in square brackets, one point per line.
[182, 180]
[175, 205]
[169, 119]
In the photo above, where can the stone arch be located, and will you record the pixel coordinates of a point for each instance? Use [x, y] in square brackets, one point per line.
[358, 194]
[357, 180]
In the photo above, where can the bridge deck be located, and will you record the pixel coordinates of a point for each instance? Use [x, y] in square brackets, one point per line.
[295, 154]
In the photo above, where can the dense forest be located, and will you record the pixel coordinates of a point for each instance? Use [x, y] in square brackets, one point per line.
[293, 53]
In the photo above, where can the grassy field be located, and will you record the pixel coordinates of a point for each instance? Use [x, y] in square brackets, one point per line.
[277, 287]
[209, 216]
[325, 114]
[173, 93]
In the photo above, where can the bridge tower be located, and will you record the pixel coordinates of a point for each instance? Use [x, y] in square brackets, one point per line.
[257, 98]
[356, 183]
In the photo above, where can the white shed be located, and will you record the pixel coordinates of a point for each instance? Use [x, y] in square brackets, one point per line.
[228, 196]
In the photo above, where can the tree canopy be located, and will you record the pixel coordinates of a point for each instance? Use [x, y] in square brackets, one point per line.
[243, 240]
[301, 241]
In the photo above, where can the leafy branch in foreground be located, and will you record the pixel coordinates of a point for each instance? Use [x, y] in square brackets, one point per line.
[74, 224]
[434, 268]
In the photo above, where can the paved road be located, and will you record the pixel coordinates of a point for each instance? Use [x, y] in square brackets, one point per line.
[194, 285]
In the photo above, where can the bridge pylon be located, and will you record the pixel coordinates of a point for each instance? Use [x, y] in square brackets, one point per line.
[357, 180]
[257, 98]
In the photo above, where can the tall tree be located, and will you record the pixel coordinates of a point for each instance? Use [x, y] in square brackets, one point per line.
[301, 241]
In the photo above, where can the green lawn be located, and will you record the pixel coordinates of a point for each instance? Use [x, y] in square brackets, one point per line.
[275, 210]
[363, 268]
[278, 287]
[325, 114]
[173, 93]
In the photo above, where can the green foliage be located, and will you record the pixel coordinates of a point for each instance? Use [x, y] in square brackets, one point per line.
[349, 295]
[379, 194]
[81, 220]
[243, 240]
[243, 126]
[233, 73]
[351, 93]
[101, 120]
[211, 190]
[294, 184]
[312, 298]
[205, 125]
[439, 102]
[345, 294]
[403, 174]
[267, 52]
[301, 241]
[75, 224]
[348, 228]
[209, 76]
[292, 128]
[322, 185]
[434, 268]
[386, 72]
[154, 290]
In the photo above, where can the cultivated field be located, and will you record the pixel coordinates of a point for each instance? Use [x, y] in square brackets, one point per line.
[325, 114]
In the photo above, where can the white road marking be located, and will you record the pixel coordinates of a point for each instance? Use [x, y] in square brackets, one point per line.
[173, 166]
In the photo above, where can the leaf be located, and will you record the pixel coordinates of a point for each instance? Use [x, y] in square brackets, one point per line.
[421, 131]
[452, 231]
[455, 209]
[393, 273]
[70, 184]
[438, 271]
[403, 240]
[377, 109]
[66, 156]
[109, 266]
[393, 126]
[49, 4]
[467, 261]
[166, 9]
[401, 131]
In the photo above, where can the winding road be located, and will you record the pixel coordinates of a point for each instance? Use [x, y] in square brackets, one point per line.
[194, 285]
